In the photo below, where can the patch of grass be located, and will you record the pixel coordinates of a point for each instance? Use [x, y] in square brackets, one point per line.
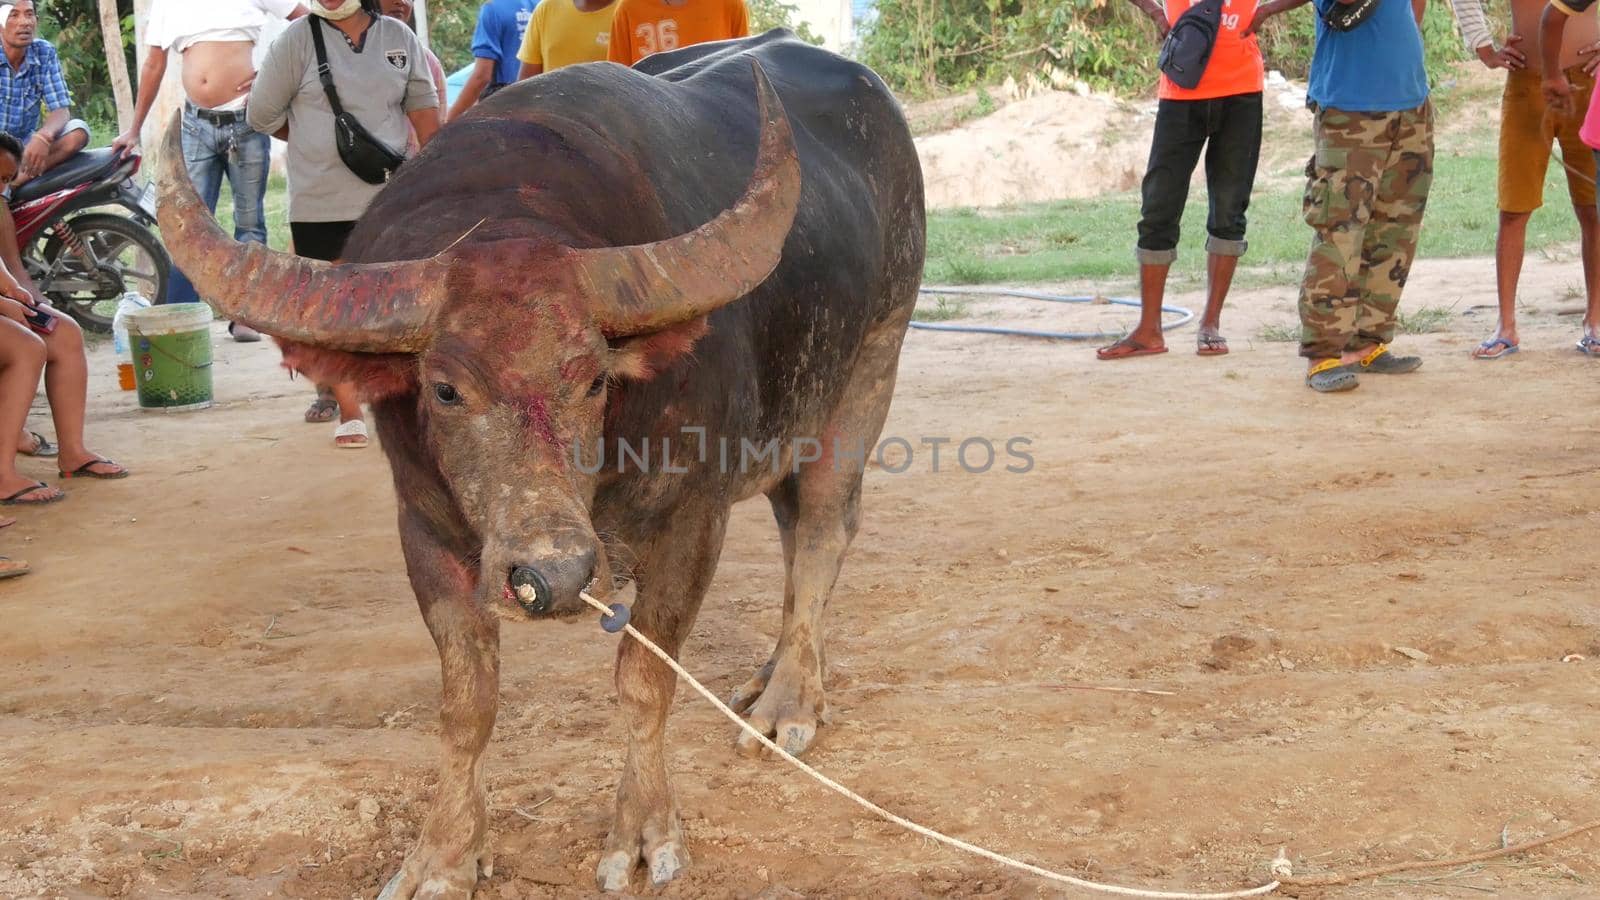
[1279, 334]
[1093, 239]
[944, 309]
[1425, 320]
[982, 105]
[968, 270]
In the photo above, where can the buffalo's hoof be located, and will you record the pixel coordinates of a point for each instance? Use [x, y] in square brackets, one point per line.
[424, 876]
[663, 863]
[785, 703]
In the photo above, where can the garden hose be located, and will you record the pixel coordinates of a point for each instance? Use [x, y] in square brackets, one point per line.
[1184, 315]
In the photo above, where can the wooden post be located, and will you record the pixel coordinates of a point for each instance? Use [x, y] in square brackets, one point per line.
[117, 62]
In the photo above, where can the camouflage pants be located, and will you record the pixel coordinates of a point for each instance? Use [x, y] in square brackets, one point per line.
[1366, 189]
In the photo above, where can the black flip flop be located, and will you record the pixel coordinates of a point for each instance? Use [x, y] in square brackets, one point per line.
[16, 499]
[85, 471]
[41, 446]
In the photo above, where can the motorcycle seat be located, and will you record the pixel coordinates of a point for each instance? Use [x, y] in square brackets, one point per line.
[85, 167]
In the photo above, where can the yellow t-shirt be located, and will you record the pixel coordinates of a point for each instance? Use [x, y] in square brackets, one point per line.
[559, 34]
[643, 27]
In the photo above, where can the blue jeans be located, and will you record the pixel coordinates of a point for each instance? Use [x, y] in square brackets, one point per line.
[211, 151]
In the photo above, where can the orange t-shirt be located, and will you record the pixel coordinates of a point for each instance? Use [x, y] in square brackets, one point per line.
[1235, 65]
[643, 27]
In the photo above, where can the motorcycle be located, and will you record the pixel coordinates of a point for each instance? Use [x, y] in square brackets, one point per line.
[85, 261]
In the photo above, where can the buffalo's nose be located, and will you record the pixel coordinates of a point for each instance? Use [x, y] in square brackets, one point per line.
[551, 586]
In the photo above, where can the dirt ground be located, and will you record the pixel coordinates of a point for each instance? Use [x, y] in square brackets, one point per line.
[1017, 153]
[216, 683]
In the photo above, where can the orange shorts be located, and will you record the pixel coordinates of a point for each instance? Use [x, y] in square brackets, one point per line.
[1526, 134]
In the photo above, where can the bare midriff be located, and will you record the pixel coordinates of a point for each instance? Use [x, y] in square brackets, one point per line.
[213, 72]
[1582, 30]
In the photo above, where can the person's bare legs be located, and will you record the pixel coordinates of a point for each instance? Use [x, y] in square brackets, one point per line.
[349, 411]
[22, 358]
[1146, 336]
[1509, 243]
[1589, 226]
[1219, 278]
[66, 383]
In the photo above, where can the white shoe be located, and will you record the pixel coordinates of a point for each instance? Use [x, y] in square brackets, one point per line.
[351, 435]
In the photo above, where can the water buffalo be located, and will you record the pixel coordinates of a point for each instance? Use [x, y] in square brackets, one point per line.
[724, 244]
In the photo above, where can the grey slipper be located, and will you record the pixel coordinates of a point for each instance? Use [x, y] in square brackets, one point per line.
[1381, 362]
[1334, 380]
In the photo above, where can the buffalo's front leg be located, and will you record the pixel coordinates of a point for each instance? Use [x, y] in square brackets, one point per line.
[454, 845]
[674, 574]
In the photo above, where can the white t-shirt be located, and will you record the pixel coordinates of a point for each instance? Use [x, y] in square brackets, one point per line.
[179, 24]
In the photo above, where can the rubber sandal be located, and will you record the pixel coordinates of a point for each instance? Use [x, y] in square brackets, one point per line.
[1495, 348]
[243, 334]
[1589, 345]
[17, 498]
[1126, 349]
[41, 446]
[322, 409]
[1381, 362]
[11, 568]
[1211, 345]
[355, 430]
[87, 470]
[1329, 377]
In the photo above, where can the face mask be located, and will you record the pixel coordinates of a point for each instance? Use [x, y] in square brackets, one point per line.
[345, 10]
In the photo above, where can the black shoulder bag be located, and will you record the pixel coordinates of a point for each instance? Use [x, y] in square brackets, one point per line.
[369, 158]
[1188, 46]
[1343, 16]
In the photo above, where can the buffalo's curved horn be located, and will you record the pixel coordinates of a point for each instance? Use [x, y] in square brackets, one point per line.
[652, 286]
[377, 308]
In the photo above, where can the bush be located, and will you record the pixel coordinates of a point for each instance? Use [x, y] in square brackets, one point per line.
[932, 46]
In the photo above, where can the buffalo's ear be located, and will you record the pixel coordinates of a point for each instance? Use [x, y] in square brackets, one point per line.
[375, 375]
[641, 356]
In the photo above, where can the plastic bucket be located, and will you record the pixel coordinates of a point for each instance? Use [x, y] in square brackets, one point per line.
[171, 350]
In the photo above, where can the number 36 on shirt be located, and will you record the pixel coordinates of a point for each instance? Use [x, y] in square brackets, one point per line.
[657, 37]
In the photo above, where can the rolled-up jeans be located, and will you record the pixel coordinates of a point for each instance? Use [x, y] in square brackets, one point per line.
[1228, 129]
[217, 144]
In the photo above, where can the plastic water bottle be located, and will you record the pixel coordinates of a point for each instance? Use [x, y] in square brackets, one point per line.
[130, 302]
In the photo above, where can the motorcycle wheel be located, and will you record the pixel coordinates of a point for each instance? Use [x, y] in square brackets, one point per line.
[130, 257]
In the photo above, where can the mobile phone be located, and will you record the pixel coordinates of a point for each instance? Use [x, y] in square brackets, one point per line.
[40, 319]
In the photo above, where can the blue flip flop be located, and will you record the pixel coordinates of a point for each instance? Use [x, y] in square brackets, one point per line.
[1589, 345]
[1495, 348]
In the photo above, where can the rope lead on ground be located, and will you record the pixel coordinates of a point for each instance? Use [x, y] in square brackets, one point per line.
[1282, 870]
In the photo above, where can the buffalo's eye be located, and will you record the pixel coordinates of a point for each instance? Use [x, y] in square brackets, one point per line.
[446, 393]
[598, 386]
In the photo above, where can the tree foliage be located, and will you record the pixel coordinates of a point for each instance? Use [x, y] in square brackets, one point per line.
[928, 46]
[73, 26]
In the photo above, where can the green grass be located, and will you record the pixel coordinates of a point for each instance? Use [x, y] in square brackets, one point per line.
[1425, 320]
[1093, 239]
[1279, 334]
[943, 310]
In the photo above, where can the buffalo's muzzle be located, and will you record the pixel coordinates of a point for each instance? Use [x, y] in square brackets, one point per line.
[551, 586]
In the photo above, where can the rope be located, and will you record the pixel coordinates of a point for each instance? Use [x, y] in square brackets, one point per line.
[1184, 315]
[907, 824]
[1365, 874]
[1282, 871]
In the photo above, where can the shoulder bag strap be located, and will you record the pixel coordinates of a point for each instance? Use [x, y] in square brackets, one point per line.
[324, 72]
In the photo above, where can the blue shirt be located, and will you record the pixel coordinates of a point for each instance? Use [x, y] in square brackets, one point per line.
[1374, 67]
[23, 89]
[499, 36]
